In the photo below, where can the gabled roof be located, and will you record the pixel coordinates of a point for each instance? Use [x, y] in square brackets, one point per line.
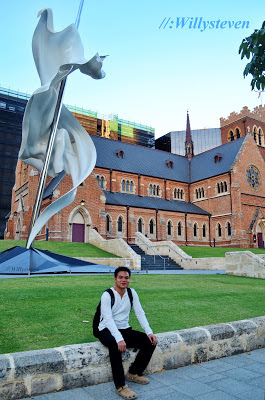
[151, 162]
[203, 165]
[132, 200]
[140, 160]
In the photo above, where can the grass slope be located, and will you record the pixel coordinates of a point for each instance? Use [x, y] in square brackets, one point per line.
[45, 312]
[71, 249]
[201, 252]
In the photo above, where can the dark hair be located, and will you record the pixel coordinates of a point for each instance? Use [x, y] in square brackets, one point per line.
[119, 269]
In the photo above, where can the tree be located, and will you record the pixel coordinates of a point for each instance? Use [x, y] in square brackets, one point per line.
[254, 46]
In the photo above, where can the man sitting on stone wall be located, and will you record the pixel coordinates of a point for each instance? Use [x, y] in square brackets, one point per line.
[116, 334]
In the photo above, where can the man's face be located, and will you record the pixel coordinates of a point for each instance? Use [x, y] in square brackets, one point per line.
[123, 279]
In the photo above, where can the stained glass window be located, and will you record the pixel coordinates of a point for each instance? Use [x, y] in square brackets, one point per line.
[253, 176]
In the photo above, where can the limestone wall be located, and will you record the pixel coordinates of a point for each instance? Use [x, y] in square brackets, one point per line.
[32, 373]
[116, 246]
[170, 249]
[112, 262]
[245, 263]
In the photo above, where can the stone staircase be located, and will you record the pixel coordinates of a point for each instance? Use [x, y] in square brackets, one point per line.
[152, 263]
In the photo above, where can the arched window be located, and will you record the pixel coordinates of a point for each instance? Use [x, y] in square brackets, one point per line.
[261, 138]
[120, 224]
[175, 193]
[123, 185]
[228, 229]
[181, 194]
[102, 182]
[196, 193]
[157, 190]
[222, 187]
[255, 134]
[140, 225]
[204, 230]
[225, 186]
[151, 227]
[219, 229]
[195, 230]
[218, 188]
[169, 228]
[179, 229]
[127, 186]
[97, 178]
[154, 190]
[108, 223]
[202, 192]
[231, 136]
[237, 133]
[131, 186]
[150, 190]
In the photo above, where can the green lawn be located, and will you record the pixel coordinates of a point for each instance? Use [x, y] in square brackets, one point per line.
[200, 252]
[43, 312]
[66, 248]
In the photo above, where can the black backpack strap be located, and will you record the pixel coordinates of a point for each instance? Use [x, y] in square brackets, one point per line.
[112, 297]
[129, 291]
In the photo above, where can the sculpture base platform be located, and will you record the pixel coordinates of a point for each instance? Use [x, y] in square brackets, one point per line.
[21, 261]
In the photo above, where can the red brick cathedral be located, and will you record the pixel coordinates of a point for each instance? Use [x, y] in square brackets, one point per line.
[214, 197]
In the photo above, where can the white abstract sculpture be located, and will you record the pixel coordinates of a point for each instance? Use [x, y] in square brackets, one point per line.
[56, 55]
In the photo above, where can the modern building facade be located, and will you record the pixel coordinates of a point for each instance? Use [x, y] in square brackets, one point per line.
[203, 139]
[12, 109]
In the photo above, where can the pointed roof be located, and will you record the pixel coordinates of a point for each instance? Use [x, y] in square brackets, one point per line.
[188, 131]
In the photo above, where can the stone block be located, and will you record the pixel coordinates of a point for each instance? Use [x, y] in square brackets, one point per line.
[260, 323]
[193, 336]
[226, 348]
[37, 362]
[169, 341]
[44, 385]
[5, 368]
[13, 391]
[87, 377]
[220, 331]
[254, 342]
[82, 355]
[180, 359]
[244, 327]
[201, 354]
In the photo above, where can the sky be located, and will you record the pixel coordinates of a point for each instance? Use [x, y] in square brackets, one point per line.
[155, 71]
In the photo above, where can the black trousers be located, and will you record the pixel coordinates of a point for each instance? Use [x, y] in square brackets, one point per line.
[135, 339]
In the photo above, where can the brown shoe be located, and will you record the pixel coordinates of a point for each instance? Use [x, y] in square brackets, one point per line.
[126, 393]
[137, 379]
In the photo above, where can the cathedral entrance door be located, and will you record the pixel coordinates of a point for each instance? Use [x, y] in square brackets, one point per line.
[260, 241]
[78, 233]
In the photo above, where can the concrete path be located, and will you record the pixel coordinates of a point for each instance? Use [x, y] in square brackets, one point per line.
[236, 377]
[159, 271]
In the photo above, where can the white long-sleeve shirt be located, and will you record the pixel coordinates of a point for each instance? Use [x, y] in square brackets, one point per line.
[117, 317]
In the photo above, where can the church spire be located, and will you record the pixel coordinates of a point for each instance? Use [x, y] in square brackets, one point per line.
[189, 148]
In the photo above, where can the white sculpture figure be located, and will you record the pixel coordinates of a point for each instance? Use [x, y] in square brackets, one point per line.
[57, 54]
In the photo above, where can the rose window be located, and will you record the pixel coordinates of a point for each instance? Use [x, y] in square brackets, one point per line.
[253, 176]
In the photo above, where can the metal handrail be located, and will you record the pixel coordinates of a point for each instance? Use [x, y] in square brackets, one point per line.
[167, 245]
[150, 247]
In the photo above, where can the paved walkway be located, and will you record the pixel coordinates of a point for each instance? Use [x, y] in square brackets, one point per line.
[159, 271]
[236, 377]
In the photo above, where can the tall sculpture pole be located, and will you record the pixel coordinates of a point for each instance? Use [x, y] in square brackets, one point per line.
[44, 171]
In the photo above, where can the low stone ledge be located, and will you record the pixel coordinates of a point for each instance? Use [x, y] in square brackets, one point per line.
[44, 371]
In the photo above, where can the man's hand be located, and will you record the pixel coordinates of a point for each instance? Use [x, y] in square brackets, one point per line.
[153, 339]
[122, 346]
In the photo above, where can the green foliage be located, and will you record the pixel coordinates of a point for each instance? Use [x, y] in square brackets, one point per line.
[44, 312]
[254, 46]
